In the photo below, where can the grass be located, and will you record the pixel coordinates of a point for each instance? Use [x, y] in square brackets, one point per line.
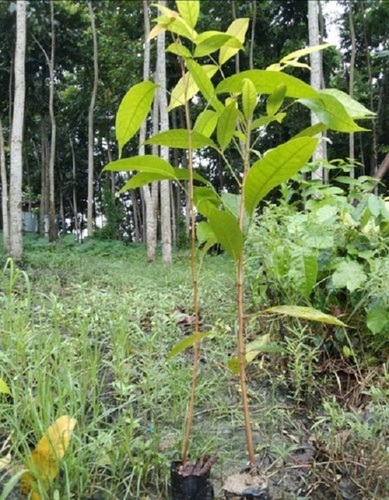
[86, 331]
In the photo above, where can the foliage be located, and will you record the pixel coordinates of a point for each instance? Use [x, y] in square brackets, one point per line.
[332, 256]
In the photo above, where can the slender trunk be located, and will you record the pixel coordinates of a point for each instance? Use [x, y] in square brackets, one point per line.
[316, 77]
[4, 192]
[90, 123]
[135, 215]
[166, 227]
[351, 82]
[174, 221]
[237, 58]
[44, 202]
[52, 215]
[374, 147]
[16, 170]
[252, 40]
[74, 190]
[150, 193]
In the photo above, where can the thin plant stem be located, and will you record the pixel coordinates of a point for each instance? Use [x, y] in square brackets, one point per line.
[196, 345]
[241, 319]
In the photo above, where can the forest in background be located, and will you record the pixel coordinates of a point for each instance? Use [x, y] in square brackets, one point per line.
[60, 74]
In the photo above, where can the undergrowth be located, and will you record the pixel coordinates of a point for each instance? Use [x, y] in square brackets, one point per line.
[86, 330]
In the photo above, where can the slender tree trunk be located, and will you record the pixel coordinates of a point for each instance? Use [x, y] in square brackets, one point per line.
[252, 38]
[74, 190]
[237, 57]
[374, 147]
[44, 202]
[351, 82]
[16, 170]
[52, 215]
[150, 193]
[316, 76]
[90, 123]
[166, 226]
[4, 193]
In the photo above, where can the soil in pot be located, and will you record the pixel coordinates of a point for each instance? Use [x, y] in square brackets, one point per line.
[246, 485]
[192, 481]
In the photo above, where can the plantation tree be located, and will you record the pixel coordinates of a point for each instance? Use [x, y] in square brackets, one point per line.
[316, 79]
[52, 210]
[166, 229]
[16, 164]
[91, 137]
[4, 191]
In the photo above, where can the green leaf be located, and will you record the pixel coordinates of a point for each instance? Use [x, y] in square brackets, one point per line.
[204, 83]
[203, 197]
[186, 87]
[259, 346]
[266, 82]
[377, 318]
[206, 122]
[249, 98]
[332, 113]
[145, 163]
[265, 120]
[189, 10]
[179, 49]
[213, 42]
[4, 389]
[275, 167]
[179, 138]
[353, 108]
[237, 29]
[311, 131]
[350, 275]
[275, 100]
[304, 271]
[143, 178]
[226, 125]
[188, 342]
[176, 23]
[204, 232]
[308, 313]
[133, 110]
[227, 231]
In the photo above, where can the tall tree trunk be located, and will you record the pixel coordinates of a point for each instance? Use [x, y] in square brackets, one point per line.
[52, 214]
[16, 169]
[74, 192]
[150, 193]
[166, 226]
[252, 37]
[316, 77]
[44, 201]
[374, 147]
[90, 123]
[4, 193]
[351, 81]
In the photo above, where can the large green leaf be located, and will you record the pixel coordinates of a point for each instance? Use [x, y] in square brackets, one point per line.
[214, 41]
[237, 29]
[226, 228]
[204, 232]
[266, 82]
[203, 197]
[308, 313]
[275, 167]
[350, 275]
[304, 271]
[178, 49]
[204, 83]
[179, 138]
[133, 109]
[143, 178]
[144, 163]
[265, 120]
[206, 122]
[226, 125]
[176, 23]
[353, 107]
[186, 87]
[311, 131]
[332, 113]
[182, 174]
[275, 100]
[189, 10]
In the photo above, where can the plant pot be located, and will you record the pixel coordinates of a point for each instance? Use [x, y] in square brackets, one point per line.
[246, 485]
[192, 481]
